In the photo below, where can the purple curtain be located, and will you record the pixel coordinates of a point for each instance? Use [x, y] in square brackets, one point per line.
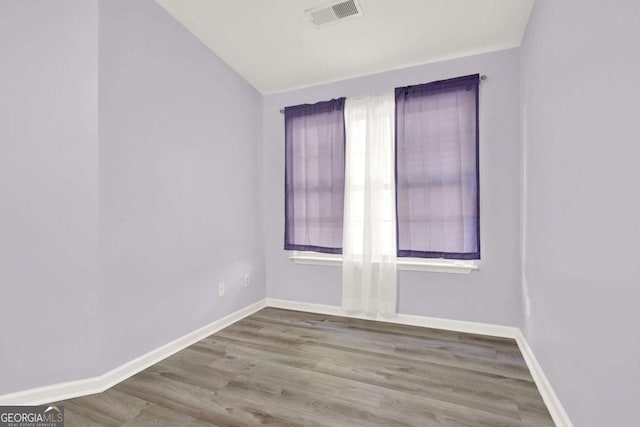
[314, 176]
[437, 185]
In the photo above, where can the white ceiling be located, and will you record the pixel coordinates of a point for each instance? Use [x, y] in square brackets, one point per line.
[273, 45]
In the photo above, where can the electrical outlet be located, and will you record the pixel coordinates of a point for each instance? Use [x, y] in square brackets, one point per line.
[221, 289]
[527, 306]
[247, 280]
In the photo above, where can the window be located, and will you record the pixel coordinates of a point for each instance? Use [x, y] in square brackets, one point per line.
[436, 173]
[314, 176]
[370, 223]
[437, 193]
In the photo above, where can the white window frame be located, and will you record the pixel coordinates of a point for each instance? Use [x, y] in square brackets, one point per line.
[434, 265]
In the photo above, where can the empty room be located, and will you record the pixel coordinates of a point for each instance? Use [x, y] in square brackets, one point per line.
[319, 213]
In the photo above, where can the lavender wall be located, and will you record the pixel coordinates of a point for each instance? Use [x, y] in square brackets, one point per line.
[48, 191]
[179, 167]
[129, 172]
[580, 82]
[491, 294]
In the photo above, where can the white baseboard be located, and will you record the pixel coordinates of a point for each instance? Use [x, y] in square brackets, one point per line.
[556, 409]
[68, 390]
[559, 415]
[401, 319]
[71, 389]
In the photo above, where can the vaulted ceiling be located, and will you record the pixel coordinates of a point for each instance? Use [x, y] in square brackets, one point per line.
[275, 47]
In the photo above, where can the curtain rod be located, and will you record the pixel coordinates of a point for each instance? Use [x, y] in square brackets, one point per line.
[483, 77]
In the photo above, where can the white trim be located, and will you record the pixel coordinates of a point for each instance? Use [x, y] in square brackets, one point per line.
[68, 390]
[437, 265]
[434, 265]
[71, 389]
[559, 415]
[401, 319]
[316, 259]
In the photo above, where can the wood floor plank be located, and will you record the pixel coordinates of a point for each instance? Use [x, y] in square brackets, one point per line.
[287, 368]
[110, 408]
[425, 351]
[417, 410]
[159, 416]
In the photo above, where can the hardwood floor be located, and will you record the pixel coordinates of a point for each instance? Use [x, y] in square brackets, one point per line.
[287, 368]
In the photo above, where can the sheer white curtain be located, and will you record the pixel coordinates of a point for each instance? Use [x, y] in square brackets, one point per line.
[369, 235]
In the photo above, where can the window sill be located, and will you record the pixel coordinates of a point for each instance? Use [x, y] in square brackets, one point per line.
[411, 264]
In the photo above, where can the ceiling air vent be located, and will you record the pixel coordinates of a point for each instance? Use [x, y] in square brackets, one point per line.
[332, 12]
